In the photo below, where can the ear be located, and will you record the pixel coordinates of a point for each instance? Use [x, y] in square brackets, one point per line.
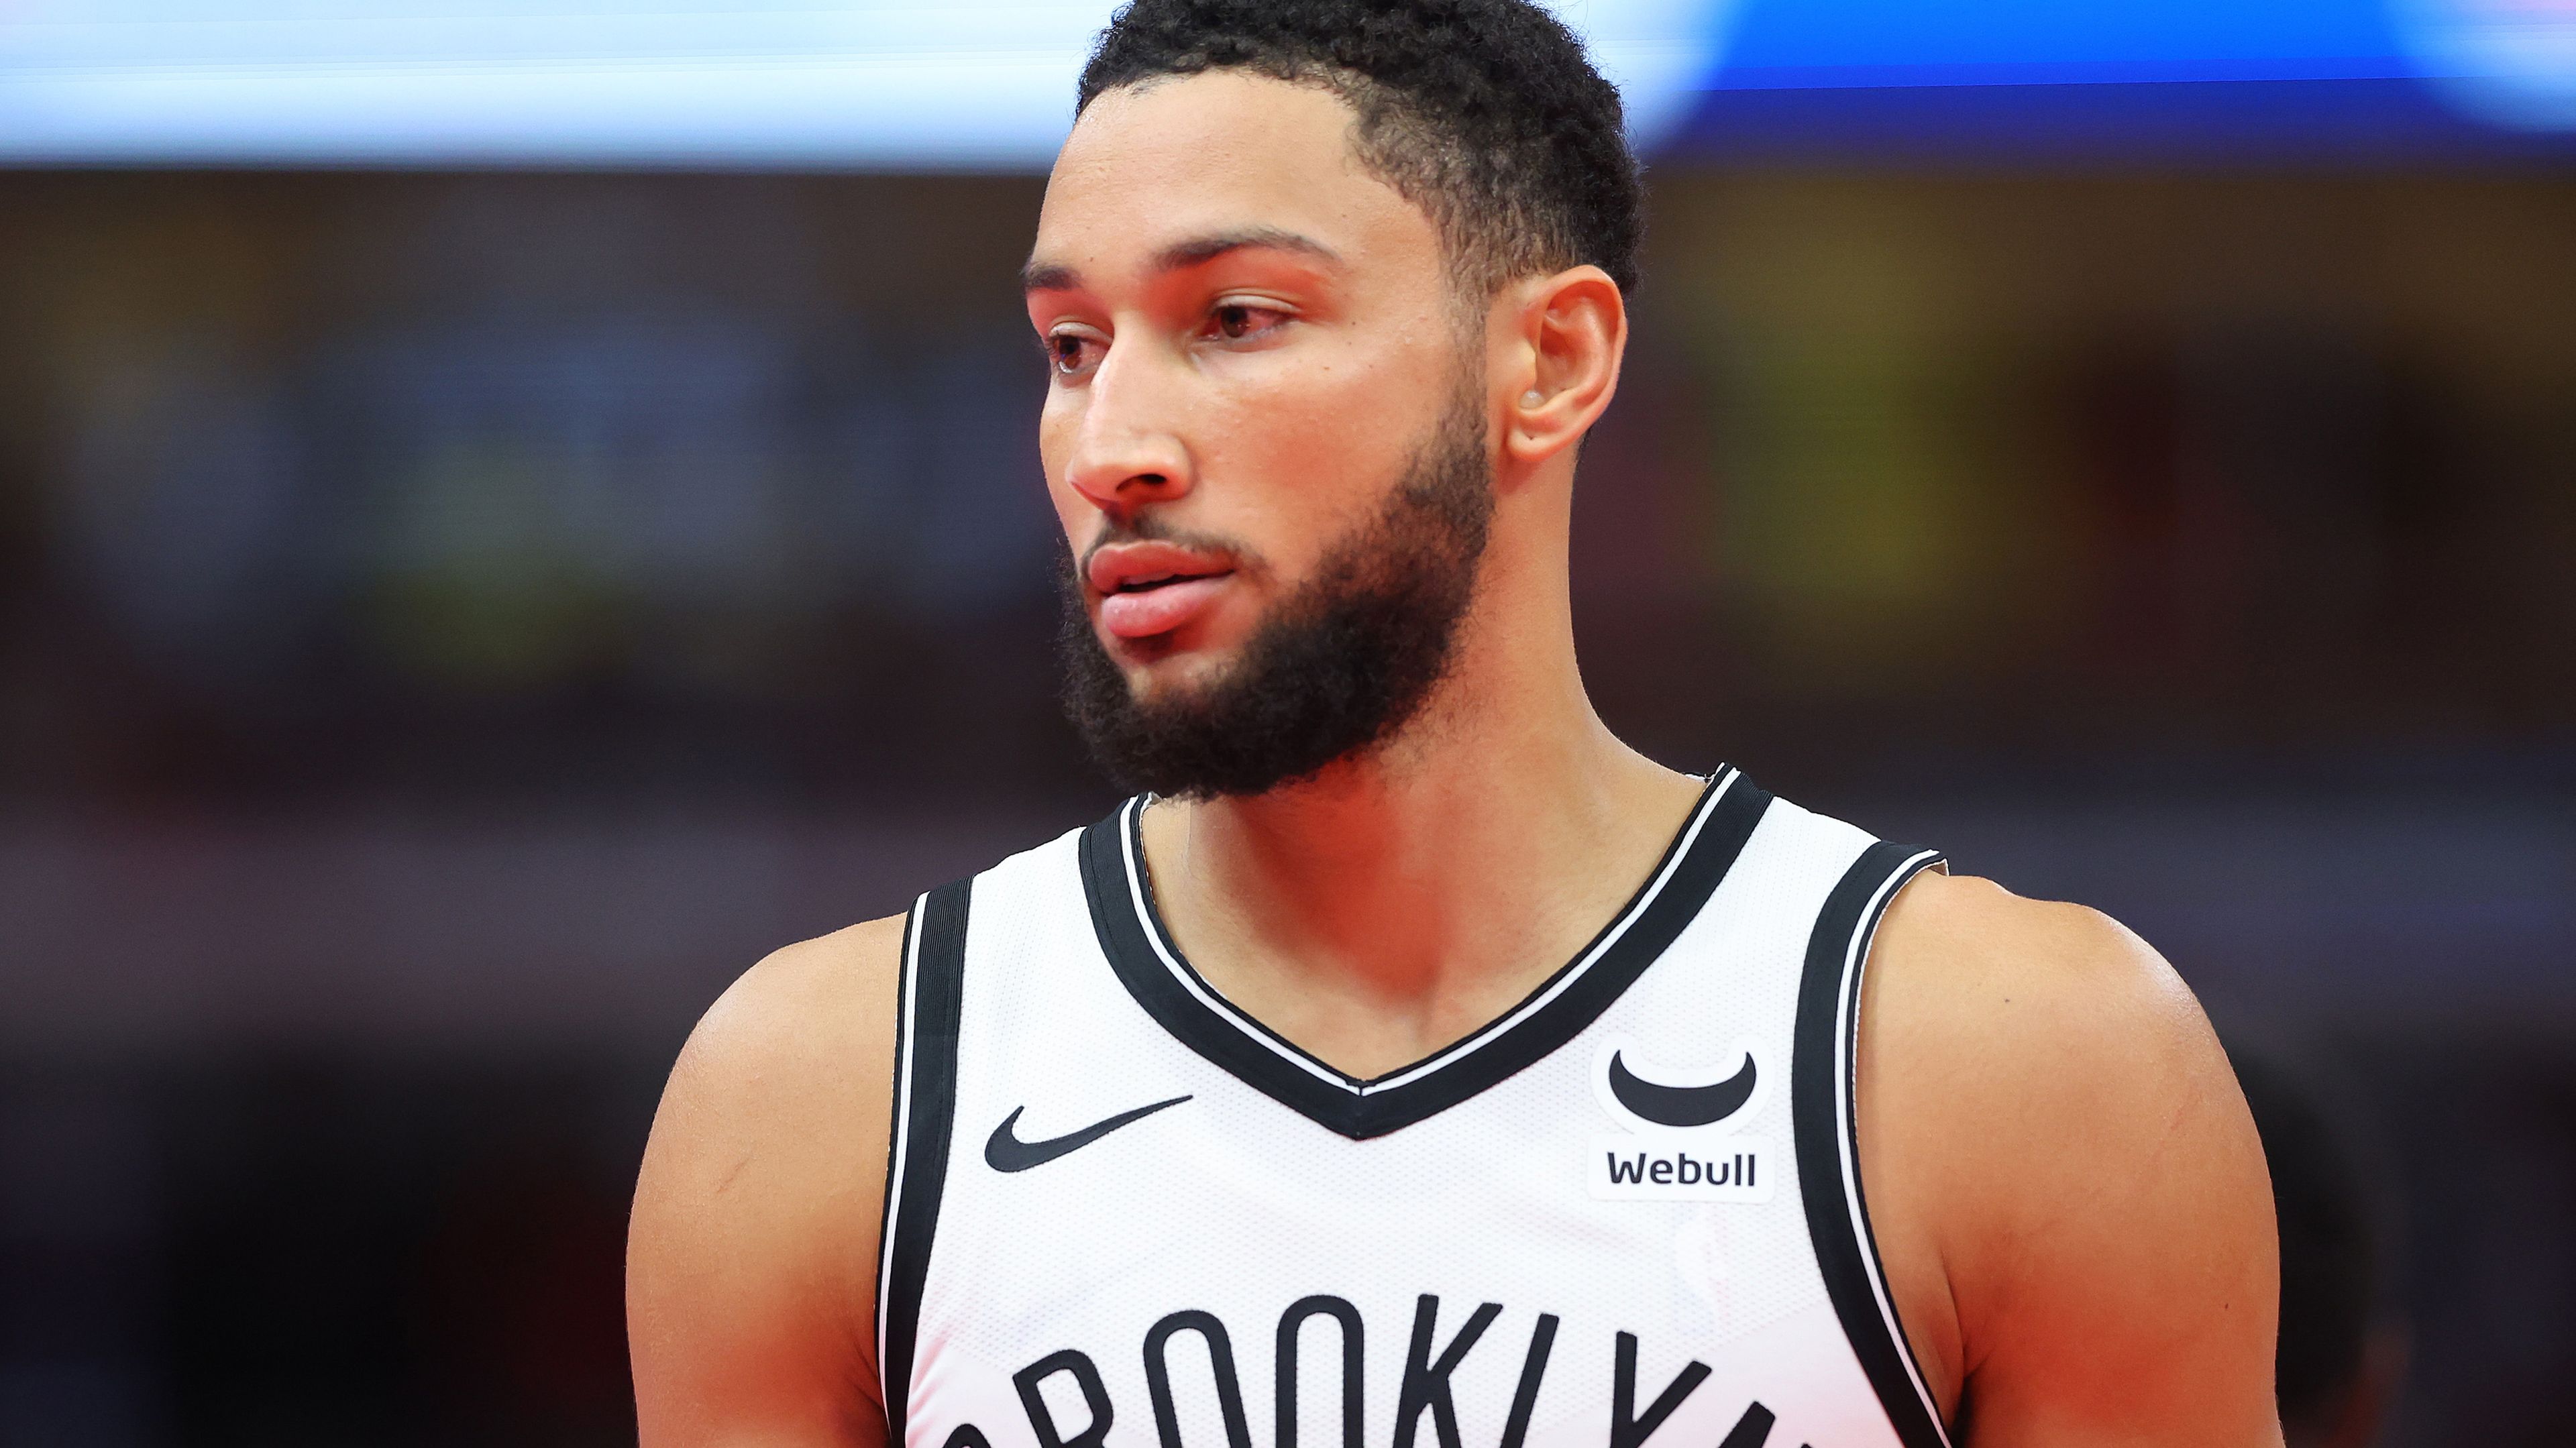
[1559, 343]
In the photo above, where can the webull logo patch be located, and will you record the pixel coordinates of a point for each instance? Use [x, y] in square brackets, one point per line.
[1681, 1143]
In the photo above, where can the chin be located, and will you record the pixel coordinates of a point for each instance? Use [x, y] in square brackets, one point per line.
[1166, 667]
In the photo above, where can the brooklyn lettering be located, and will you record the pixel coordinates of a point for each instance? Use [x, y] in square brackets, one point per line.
[1426, 1390]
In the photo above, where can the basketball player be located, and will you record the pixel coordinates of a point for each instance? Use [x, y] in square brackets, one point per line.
[1412, 1064]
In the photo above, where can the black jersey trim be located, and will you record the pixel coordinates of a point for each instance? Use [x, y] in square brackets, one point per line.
[925, 1118]
[1141, 951]
[894, 1144]
[1824, 1127]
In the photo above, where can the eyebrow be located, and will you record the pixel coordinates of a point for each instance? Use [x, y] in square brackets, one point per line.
[1182, 255]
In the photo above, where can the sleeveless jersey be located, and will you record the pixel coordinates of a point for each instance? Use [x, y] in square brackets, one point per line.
[1627, 1214]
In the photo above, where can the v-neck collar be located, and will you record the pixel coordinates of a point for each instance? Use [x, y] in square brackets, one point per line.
[1141, 951]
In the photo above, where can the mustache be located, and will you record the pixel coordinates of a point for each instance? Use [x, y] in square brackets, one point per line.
[1149, 527]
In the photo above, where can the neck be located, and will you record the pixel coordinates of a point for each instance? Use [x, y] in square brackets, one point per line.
[1407, 896]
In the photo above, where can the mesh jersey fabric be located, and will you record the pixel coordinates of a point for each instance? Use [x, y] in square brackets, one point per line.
[1531, 1240]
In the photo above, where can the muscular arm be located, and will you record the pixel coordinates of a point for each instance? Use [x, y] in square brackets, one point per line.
[2064, 1181]
[751, 1260]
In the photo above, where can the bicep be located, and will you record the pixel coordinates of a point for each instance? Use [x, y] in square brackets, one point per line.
[750, 1259]
[2147, 1310]
[2078, 1220]
[2128, 1292]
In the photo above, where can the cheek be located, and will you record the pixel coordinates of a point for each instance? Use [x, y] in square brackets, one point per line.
[1306, 454]
[1057, 420]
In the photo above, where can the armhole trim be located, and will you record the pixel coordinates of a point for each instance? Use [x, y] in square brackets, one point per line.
[925, 1114]
[1824, 1121]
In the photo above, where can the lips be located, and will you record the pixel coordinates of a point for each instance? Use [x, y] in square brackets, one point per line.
[1153, 588]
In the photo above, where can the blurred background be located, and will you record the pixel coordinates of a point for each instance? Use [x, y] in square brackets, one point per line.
[508, 514]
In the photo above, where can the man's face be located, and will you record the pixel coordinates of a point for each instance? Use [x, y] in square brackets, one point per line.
[1261, 410]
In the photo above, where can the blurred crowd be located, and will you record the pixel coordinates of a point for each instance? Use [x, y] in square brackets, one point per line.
[449, 624]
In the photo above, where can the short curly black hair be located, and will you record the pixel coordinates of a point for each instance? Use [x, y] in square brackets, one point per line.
[1484, 113]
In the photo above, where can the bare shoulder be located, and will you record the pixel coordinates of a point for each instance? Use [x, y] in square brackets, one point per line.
[2063, 1168]
[2010, 988]
[804, 1037]
[2036, 1043]
[751, 1261]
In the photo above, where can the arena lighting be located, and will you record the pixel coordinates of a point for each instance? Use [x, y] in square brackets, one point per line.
[2509, 62]
[2218, 81]
[960, 85]
[985, 84]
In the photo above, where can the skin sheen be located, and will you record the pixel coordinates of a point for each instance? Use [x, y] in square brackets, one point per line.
[1248, 336]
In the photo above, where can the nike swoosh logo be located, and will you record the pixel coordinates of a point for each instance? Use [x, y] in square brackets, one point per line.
[1681, 1105]
[1005, 1152]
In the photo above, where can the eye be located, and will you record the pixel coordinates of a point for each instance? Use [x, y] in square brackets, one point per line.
[1070, 354]
[1241, 321]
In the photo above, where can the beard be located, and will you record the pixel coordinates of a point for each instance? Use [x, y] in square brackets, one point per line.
[1342, 663]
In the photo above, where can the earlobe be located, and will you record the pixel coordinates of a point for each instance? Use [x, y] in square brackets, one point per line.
[1572, 329]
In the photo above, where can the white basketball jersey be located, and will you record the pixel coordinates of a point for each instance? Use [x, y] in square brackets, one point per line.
[1123, 1214]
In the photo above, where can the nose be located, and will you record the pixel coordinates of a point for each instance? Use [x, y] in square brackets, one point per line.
[1127, 449]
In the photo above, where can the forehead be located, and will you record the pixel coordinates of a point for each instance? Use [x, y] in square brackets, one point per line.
[1220, 152]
